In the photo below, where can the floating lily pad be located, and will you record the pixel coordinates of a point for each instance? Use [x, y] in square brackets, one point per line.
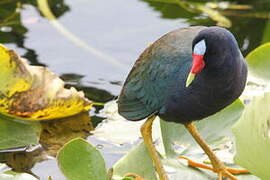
[79, 160]
[16, 134]
[252, 137]
[137, 161]
[115, 128]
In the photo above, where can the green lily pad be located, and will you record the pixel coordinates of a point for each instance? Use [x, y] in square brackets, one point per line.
[6, 174]
[78, 160]
[259, 62]
[130, 163]
[252, 137]
[14, 134]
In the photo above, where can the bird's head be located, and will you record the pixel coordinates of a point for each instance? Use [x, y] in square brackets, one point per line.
[197, 60]
[210, 48]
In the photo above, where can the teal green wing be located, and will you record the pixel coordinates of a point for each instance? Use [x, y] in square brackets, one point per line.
[154, 75]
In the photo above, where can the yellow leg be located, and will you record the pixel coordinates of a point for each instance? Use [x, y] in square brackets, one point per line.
[218, 166]
[219, 176]
[146, 131]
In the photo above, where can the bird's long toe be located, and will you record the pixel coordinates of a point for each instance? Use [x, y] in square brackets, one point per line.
[222, 171]
[225, 173]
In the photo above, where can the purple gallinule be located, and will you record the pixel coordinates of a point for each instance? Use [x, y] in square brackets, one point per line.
[186, 75]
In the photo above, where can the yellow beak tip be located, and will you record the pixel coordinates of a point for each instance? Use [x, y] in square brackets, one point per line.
[190, 78]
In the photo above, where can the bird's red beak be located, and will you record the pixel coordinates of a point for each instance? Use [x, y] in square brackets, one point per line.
[197, 66]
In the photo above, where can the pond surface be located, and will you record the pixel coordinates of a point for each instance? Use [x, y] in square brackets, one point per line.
[104, 40]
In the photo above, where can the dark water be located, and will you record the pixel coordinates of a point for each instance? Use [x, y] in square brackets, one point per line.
[119, 30]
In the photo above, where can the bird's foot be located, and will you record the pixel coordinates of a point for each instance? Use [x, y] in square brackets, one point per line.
[134, 176]
[222, 171]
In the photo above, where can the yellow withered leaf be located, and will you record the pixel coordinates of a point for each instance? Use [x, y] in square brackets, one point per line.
[34, 92]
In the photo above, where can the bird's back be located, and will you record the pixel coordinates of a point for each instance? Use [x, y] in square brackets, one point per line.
[154, 74]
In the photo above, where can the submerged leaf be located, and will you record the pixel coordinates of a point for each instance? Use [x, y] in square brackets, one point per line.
[33, 92]
[252, 137]
[79, 160]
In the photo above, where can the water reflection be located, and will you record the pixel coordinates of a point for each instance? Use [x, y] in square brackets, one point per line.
[56, 133]
[13, 31]
[93, 93]
[23, 161]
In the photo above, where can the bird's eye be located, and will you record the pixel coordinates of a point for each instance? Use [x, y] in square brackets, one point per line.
[200, 48]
